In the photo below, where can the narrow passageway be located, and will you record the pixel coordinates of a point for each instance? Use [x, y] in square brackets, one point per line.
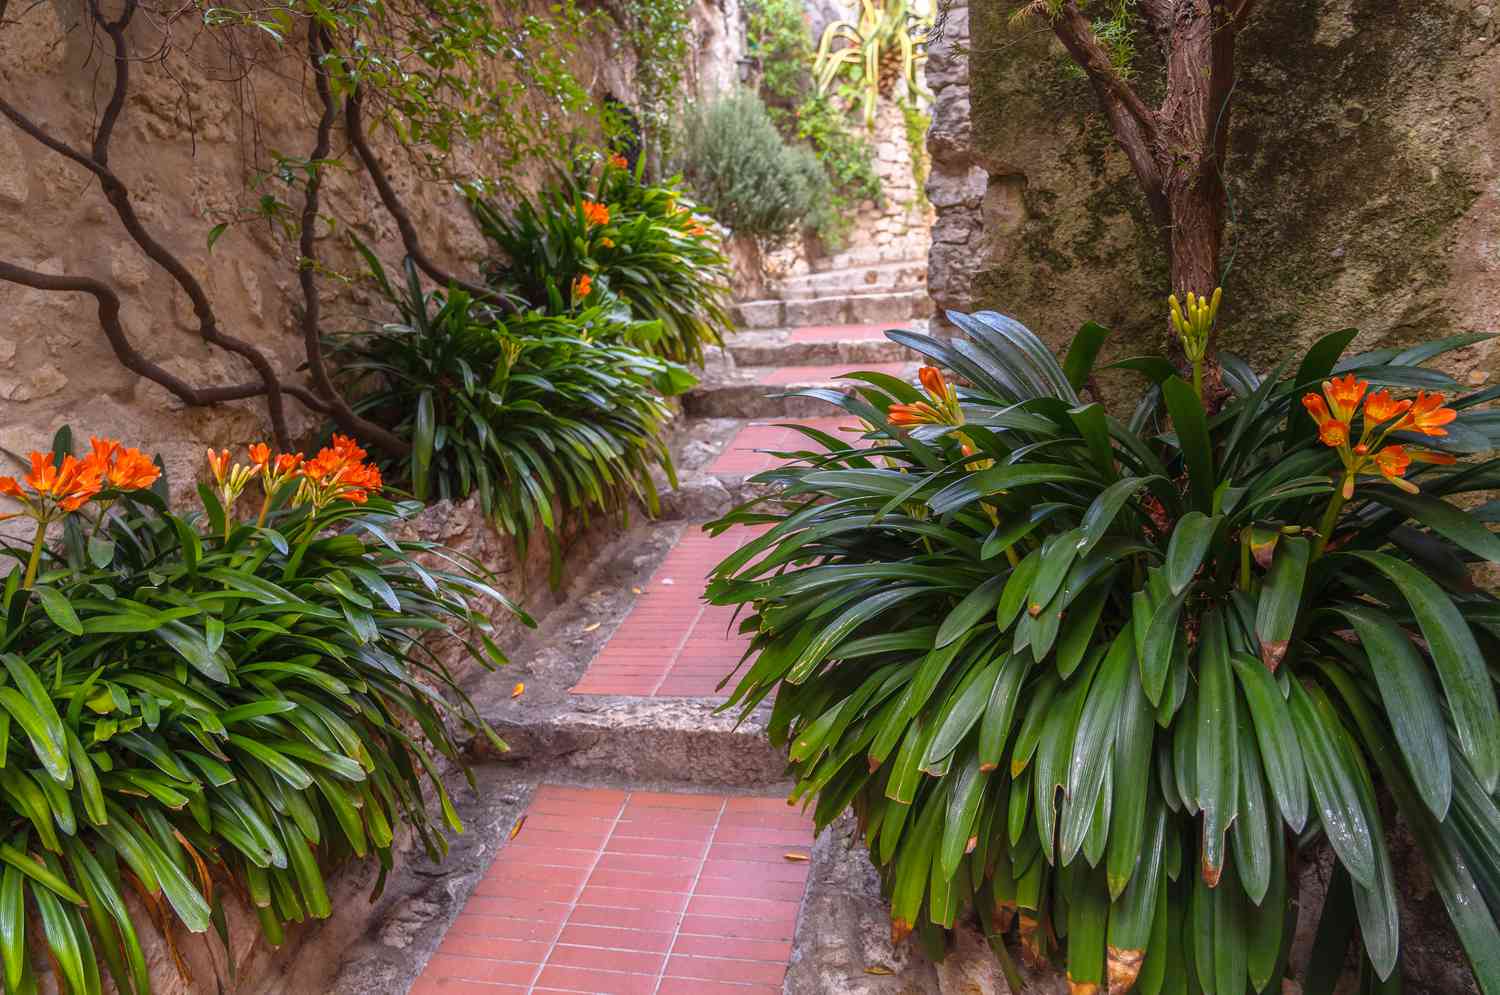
[631, 889]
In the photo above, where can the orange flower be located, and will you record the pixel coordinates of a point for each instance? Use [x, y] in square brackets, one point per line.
[696, 230]
[595, 213]
[606, 243]
[218, 463]
[582, 284]
[287, 463]
[1381, 407]
[69, 485]
[11, 488]
[932, 379]
[618, 161]
[1344, 394]
[1334, 432]
[337, 473]
[1427, 415]
[260, 455]
[920, 413]
[1392, 462]
[132, 470]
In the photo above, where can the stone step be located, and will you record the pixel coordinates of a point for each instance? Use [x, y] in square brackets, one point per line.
[879, 278]
[763, 392]
[854, 309]
[821, 344]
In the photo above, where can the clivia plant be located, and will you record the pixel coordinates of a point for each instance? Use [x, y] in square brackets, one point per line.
[1104, 680]
[203, 703]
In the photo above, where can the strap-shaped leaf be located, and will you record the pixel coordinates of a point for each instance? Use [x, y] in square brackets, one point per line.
[1335, 787]
[1411, 702]
[1078, 364]
[1217, 743]
[1190, 539]
[1276, 735]
[1280, 599]
[1191, 426]
[1460, 665]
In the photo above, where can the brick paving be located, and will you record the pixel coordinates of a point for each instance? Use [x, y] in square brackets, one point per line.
[672, 644]
[750, 451]
[788, 375]
[842, 333]
[613, 892]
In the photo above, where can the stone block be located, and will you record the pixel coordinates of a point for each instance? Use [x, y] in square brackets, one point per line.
[823, 311]
[758, 314]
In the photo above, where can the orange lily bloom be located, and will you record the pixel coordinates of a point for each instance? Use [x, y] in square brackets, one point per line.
[1392, 461]
[582, 284]
[1427, 415]
[132, 470]
[1382, 407]
[595, 213]
[920, 413]
[218, 463]
[1344, 394]
[1334, 432]
[260, 455]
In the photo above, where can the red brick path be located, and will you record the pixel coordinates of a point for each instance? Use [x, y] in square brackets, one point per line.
[842, 333]
[741, 456]
[672, 644]
[787, 375]
[635, 893]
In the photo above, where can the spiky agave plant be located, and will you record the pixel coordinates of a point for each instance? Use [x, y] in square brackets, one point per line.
[1105, 679]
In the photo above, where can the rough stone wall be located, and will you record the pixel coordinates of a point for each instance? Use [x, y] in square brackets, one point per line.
[188, 146]
[1363, 179]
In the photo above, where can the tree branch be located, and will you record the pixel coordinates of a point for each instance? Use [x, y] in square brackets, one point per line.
[355, 118]
[1158, 17]
[1136, 127]
[312, 337]
[108, 303]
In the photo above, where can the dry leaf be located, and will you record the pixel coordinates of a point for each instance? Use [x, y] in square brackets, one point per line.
[591, 627]
[516, 829]
[518, 690]
[635, 590]
[878, 969]
[799, 857]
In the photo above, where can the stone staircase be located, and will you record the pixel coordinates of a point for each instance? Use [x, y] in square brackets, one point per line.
[881, 292]
[634, 838]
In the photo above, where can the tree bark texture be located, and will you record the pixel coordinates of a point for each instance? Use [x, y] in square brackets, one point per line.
[1176, 150]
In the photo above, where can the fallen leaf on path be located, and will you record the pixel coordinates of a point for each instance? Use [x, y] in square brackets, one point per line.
[516, 829]
[635, 590]
[796, 856]
[518, 690]
[878, 969]
[591, 627]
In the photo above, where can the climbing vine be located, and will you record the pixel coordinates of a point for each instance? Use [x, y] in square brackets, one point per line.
[430, 75]
[659, 34]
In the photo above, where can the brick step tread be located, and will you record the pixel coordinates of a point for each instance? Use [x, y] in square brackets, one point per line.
[631, 891]
[846, 308]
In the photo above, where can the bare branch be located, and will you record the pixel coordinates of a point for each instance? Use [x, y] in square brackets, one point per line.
[339, 409]
[1076, 33]
[1136, 127]
[397, 210]
[108, 303]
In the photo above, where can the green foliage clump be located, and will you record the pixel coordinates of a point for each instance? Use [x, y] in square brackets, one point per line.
[1098, 679]
[529, 411]
[736, 162]
[778, 37]
[847, 156]
[642, 246]
[196, 705]
[658, 31]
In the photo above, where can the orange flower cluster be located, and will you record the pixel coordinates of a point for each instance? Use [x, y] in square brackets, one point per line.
[53, 490]
[696, 229]
[942, 410]
[337, 473]
[618, 161]
[582, 284]
[1334, 412]
[595, 213]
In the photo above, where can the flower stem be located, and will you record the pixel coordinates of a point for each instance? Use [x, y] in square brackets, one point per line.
[36, 554]
[1198, 378]
[1330, 517]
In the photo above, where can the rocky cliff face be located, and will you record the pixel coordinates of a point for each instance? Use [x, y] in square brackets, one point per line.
[1362, 174]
